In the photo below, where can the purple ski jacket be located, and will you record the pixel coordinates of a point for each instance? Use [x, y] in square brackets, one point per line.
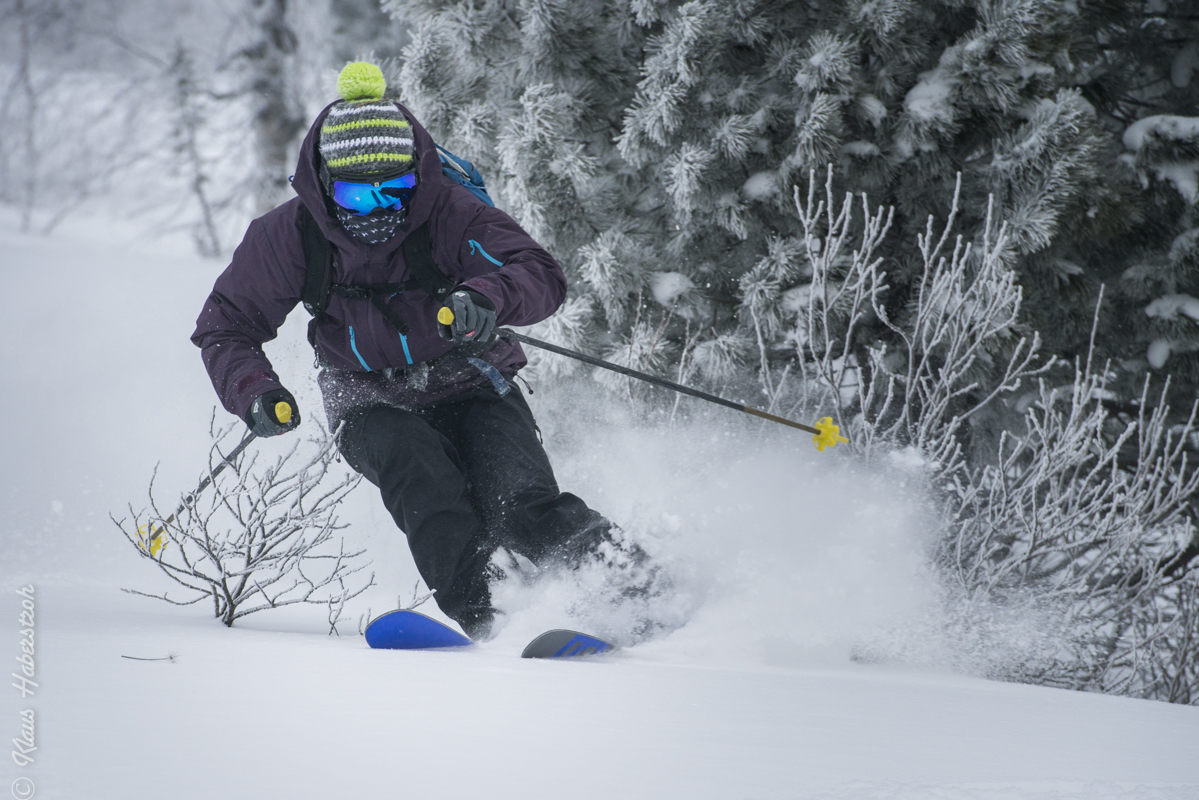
[478, 246]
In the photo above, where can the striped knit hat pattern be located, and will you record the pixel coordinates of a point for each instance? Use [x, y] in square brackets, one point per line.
[365, 135]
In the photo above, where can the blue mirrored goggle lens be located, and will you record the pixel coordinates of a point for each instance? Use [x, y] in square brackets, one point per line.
[363, 198]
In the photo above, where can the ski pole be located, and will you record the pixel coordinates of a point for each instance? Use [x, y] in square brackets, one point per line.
[826, 433]
[282, 413]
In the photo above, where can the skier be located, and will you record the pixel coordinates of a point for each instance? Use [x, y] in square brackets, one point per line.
[432, 414]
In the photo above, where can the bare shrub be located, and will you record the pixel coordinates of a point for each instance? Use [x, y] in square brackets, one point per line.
[1072, 518]
[261, 537]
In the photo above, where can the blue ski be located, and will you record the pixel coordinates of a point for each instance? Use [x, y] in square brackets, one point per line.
[565, 644]
[411, 630]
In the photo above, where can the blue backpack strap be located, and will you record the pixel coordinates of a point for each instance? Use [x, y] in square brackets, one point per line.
[464, 173]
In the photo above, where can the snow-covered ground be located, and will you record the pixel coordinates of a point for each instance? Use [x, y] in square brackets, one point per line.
[787, 563]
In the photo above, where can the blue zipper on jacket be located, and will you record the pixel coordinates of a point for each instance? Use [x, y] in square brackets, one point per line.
[486, 255]
[361, 360]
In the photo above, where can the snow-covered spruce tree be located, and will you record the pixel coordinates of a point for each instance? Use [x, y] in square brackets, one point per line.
[268, 65]
[653, 146]
[1146, 87]
[362, 29]
[535, 96]
[1163, 283]
[188, 110]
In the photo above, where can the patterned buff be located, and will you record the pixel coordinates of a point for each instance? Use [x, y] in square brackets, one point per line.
[374, 228]
[363, 136]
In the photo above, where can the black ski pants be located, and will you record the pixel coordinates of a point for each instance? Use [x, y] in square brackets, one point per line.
[461, 478]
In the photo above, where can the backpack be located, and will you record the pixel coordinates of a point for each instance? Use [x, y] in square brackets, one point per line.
[418, 254]
[464, 173]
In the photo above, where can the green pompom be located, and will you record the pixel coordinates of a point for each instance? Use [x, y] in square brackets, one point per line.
[361, 81]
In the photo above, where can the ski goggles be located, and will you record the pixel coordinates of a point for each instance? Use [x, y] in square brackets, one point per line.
[363, 198]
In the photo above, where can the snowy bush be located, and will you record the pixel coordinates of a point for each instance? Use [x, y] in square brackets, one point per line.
[1078, 517]
[260, 539]
[955, 347]
[1077, 521]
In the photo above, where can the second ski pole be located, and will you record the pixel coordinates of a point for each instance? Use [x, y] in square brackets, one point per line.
[826, 434]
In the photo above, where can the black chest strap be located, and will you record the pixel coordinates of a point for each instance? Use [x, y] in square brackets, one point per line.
[318, 277]
[318, 261]
[418, 255]
[378, 294]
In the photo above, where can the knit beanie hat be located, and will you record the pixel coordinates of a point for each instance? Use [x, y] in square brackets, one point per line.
[365, 135]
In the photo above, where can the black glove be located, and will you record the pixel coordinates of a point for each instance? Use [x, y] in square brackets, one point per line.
[267, 415]
[474, 318]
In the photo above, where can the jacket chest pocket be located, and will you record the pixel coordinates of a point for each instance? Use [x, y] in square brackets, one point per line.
[373, 326]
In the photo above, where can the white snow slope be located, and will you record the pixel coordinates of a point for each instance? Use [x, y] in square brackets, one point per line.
[786, 562]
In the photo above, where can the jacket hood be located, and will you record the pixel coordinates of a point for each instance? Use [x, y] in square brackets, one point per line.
[307, 184]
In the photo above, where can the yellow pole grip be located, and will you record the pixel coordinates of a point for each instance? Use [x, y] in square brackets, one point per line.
[283, 411]
[445, 316]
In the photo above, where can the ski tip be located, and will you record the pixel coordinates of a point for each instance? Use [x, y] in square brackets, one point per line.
[410, 630]
[565, 644]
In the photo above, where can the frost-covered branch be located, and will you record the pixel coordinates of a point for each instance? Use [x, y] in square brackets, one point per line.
[260, 538]
[845, 287]
[1073, 515]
